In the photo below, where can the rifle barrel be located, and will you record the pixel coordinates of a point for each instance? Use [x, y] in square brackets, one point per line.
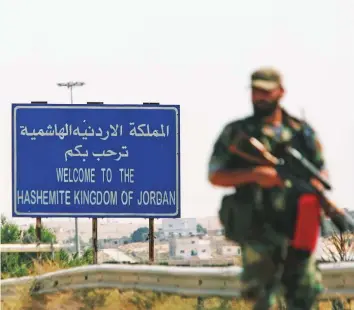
[309, 166]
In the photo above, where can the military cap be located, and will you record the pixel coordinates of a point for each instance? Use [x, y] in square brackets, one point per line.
[266, 78]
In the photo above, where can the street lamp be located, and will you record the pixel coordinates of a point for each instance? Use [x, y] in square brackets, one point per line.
[71, 85]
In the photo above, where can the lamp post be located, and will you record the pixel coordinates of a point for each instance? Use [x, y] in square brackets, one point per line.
[70, 85]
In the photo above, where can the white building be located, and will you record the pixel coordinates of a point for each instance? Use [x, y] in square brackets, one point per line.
[225, 247]
[179, 227]
[215, 232]
[187, 247]
[229, 250]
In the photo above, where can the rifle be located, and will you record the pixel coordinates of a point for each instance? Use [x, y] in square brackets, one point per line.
[291, 165]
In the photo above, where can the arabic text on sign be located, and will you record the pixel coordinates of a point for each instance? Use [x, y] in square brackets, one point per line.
[76, 152]
[142, 130]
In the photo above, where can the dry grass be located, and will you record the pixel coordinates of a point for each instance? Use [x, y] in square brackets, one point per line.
[128, 300]
[104, 299]
[113, 299]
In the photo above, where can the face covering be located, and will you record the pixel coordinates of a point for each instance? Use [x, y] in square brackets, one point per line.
[263, 108]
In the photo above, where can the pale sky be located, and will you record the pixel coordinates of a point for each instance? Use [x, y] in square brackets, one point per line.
[196, 54]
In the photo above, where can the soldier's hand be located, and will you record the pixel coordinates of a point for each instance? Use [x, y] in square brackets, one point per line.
[267, 177]
[317, 184]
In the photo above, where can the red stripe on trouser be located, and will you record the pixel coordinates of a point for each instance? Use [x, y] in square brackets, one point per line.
[307, 224]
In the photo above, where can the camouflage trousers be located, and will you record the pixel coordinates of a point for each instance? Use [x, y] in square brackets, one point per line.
[271, 268]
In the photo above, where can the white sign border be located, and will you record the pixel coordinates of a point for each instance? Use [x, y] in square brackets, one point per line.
[86, 107]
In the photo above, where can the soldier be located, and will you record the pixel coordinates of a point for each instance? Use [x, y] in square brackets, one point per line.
[262, 213]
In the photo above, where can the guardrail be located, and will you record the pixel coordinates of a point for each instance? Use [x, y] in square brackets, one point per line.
[189, 281]
[220, 262]
[34, 248]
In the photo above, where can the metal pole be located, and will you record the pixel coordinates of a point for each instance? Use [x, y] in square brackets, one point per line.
[70, 85]
[77, 240]
[151, 241]
[39, 219]
[71, 94]
[38, 233]
[303, 114]
[151, 222]
[95, 225]
[94, 240]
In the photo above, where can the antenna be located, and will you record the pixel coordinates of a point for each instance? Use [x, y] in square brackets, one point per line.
[303, 114]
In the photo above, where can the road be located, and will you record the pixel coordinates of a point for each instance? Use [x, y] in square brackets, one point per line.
[117, 255]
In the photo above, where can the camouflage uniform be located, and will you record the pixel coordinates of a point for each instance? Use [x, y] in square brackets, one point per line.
[268, 260]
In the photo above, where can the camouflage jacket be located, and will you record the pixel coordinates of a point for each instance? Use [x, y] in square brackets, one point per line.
[275, 205]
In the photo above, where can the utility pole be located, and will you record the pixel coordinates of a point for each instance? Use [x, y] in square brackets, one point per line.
[71, 85]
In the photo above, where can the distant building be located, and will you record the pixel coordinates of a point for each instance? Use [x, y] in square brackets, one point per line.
[187, 247]
[215, 232]
[179, 227]
[226, 247]
[229, 250]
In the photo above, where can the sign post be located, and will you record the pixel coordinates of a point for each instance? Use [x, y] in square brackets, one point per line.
[94, 240]
[39, 219]
[96, 161]
[151, 234]
[94, 225]
[151, 241]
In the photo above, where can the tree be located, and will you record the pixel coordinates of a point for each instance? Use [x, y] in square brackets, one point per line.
[337, 247]
[11, 262]
[20, 264]
[140, 234]
[10, 233]
[47, 236]
[201, 229]
[17, 264]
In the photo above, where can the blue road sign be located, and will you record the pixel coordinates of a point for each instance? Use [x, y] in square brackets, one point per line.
[96, 160]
